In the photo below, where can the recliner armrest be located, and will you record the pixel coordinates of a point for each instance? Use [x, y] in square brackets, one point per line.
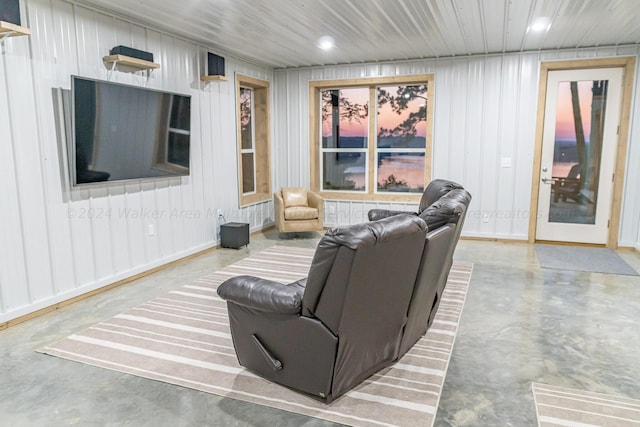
[263, 294]
[377, 214]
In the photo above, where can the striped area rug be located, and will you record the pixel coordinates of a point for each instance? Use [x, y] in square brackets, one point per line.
[558, 406]
[183, 338]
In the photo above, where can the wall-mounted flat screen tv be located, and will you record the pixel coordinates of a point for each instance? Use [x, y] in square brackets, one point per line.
[123, 132]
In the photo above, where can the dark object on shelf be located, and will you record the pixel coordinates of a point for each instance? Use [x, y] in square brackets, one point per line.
[10, 11]
[134, 53]
[234, 235]
[215, 65]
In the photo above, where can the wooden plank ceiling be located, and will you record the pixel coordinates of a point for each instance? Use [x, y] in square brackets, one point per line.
[285, 33]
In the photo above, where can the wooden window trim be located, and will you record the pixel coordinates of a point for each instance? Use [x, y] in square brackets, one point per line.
[262, 150]
[316, 86]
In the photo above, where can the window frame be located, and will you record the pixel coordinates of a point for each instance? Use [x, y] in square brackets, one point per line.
[315, 121]
[161, 152]
[251, 150]
[260, 123]
[363, 150]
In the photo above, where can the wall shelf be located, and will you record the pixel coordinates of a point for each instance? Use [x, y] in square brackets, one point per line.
[214, 79]
[128, 61]
[7, 29]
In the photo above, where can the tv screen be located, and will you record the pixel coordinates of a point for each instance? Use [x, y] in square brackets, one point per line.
[123, 132]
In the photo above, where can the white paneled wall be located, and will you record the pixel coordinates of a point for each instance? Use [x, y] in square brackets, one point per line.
[57, 243]
[485, 110]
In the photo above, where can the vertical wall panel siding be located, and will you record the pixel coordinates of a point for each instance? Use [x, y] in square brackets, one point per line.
[630, 225]
[58, 243]
[280, 131]
[455, 141]
[442, 117]
[473, 131]
[522, 160]
[484, 194]
[12, 262]
[506, 144]
[485, 110]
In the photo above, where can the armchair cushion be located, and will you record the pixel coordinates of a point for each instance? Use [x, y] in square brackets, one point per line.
[295, 196]
[262, 294]
[300, 212]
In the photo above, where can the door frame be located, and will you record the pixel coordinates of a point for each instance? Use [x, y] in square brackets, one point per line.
[627, 63]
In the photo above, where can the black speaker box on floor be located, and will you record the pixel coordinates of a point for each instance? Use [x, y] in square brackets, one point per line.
[10, 11]
[215, 65]
[134, 53]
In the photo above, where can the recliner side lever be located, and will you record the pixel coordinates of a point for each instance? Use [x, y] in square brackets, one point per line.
[275, 363]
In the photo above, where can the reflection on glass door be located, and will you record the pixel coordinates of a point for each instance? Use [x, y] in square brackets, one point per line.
[577, 151]
[578, 154]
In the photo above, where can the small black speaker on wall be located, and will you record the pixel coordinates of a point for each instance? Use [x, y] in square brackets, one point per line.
[215, 65]
[10, 11]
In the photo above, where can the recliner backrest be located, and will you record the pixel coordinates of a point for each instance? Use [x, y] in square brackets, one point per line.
[359, 286]
[429, 280]
[456, 200]
[333, 261]
[435, 190]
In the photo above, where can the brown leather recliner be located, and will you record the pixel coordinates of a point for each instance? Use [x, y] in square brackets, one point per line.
[432, 276]
[443, 207]
[325, 334]
[434, 215]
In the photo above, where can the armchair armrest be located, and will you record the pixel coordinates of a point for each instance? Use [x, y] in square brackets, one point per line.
[263, 294]
[316, 201]
[377, 214]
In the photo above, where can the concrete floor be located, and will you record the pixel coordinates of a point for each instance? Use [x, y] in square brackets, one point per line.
[520, 324]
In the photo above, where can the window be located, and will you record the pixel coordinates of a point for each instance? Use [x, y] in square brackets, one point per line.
[247, 142]
[345, 135]
[371, 137]
[401, 138]
[253, 140]
[172, 153]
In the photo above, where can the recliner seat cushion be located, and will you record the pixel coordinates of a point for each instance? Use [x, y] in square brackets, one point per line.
[300, 213]
[295, 196]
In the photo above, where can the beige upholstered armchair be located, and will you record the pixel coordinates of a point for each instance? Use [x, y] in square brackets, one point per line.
[297, 210]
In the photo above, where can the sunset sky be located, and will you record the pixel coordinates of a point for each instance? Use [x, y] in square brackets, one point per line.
[565, 129]
[387, 118]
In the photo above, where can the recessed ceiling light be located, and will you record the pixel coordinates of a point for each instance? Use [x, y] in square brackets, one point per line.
[540, 24]
[326, 42]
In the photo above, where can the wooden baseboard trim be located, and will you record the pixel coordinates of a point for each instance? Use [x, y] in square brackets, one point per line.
[588, 245]
[113, 285]
[53, 307]
[493, 239]
[262, 230]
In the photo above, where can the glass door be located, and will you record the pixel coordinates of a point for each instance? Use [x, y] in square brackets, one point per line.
[580, 136]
